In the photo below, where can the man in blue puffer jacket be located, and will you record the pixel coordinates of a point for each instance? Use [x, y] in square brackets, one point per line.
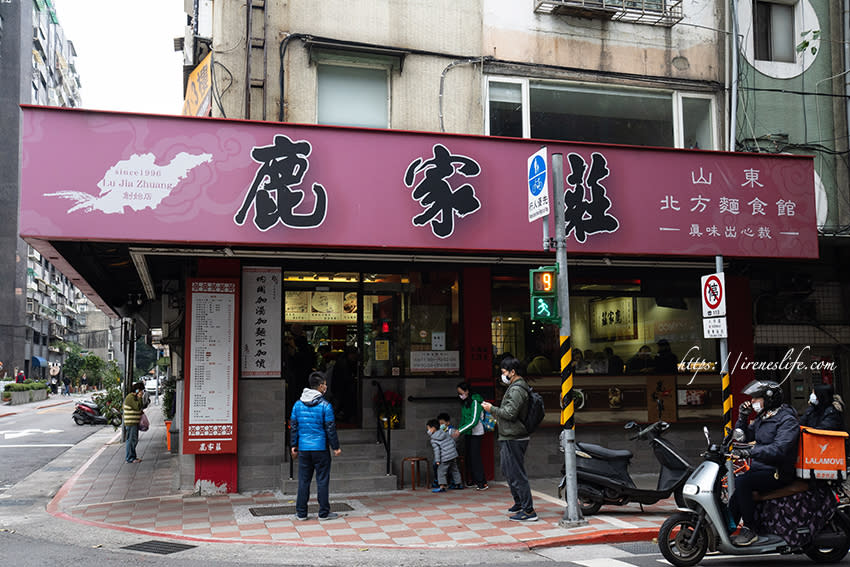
[313, 431]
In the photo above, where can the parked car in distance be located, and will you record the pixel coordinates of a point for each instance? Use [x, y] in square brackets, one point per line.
[152, 386]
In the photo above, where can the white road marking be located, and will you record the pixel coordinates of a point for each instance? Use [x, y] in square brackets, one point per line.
[26, 432]
[603, 562]
[36, 445]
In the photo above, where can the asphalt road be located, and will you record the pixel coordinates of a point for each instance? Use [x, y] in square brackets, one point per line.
[38, 434]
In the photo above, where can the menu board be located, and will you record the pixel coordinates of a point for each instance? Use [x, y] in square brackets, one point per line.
[261, 310]
[327, 307]
[210, 403]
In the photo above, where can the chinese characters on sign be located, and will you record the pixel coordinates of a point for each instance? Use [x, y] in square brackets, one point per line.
[436, 195]
[744, 214]
[434, 360]
[613, 319]
[261, 321]
[583, 216]
[538, 185]
[274, 192]
[211, 397]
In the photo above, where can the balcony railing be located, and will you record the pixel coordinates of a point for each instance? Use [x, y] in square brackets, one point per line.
[665, 13]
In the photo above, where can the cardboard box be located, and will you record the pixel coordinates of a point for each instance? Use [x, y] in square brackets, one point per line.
[821, 453]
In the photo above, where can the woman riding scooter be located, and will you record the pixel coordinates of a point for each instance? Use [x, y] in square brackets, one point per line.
[775, 432]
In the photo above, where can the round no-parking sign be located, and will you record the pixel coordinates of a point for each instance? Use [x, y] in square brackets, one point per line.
[714, 295]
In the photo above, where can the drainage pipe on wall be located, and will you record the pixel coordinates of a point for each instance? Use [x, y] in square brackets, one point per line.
[733, 106]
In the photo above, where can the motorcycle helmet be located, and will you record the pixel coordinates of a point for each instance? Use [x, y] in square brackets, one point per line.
[768, 390]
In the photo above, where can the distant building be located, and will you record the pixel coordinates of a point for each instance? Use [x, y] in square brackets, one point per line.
[38, 304]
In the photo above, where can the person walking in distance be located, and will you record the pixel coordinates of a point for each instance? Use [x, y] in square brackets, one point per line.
[313, 432]
[513, 438]
[133, 407]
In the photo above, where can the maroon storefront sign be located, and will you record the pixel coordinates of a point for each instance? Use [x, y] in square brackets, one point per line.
[122, 177]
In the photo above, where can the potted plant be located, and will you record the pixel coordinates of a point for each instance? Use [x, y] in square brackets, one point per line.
[390, 408]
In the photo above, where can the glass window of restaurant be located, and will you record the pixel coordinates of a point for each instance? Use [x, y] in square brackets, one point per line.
[358, 325]
[637, 346]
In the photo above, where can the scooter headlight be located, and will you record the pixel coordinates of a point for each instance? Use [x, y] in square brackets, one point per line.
[690, 489]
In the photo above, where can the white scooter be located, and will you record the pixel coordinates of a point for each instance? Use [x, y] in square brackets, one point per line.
[704, 524]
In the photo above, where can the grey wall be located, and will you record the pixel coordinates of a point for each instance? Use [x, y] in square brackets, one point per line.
[261, 434]
[15, 65]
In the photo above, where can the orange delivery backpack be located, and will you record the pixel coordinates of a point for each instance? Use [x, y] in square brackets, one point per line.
[821, 454]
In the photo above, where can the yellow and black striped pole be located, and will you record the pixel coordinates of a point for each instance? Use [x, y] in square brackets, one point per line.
[567, 402]
[727, 404]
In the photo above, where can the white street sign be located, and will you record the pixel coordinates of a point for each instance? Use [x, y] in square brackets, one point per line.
[714, 328]
[538, 185]
[714, 295]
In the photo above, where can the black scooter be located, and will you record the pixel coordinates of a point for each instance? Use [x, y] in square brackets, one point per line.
[603, 474]
[88, 412]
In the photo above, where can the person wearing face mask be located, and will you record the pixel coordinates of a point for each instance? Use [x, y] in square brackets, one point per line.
[773, 436]
[825, 409]
[472, 431]
[513, 438]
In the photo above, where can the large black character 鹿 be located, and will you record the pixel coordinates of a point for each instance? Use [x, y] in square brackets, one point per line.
[435, 193]
[587, 217]
[283, 165]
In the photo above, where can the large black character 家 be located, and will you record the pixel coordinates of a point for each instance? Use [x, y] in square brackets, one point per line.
[435, 193]
[283, 165]
[587, 217]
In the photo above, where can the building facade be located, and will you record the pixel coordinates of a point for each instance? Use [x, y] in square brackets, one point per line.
[307, 233]
[39, 306]
[792, 97]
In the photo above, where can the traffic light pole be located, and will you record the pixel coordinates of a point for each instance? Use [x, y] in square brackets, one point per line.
[572, 513]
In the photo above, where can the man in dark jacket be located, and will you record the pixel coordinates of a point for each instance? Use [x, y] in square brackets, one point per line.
[513, 438]
[775, 432]
[313, 431]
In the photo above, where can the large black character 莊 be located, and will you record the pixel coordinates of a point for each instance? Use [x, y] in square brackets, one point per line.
[283, 165]
[588, 217]
[435, 193]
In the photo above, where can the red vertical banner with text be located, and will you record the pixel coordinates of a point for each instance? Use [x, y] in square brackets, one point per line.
[209, 408]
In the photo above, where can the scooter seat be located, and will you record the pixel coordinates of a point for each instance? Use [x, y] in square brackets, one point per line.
[603, 452]
[795, 487]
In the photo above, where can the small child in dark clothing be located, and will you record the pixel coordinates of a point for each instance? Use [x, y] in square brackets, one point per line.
[445, 456]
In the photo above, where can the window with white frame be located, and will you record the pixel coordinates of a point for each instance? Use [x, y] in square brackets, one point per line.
[353, 96]
[599, 114]
[773, 31]
[770, 30]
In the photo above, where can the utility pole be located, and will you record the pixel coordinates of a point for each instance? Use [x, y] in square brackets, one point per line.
[572, 513]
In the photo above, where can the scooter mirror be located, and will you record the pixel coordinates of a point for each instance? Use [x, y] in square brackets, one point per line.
[630, 425]
[707, 436]
[738, 434]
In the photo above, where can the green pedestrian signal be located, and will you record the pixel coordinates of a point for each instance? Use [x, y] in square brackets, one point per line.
[543, 285]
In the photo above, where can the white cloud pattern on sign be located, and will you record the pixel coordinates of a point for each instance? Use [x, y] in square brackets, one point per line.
[138, 182]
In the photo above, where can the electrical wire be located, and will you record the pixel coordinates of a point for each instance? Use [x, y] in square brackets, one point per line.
[215, 94]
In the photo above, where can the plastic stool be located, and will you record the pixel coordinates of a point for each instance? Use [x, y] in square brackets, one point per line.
[414, 470]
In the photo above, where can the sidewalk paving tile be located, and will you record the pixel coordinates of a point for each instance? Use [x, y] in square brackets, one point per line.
[143, 497]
